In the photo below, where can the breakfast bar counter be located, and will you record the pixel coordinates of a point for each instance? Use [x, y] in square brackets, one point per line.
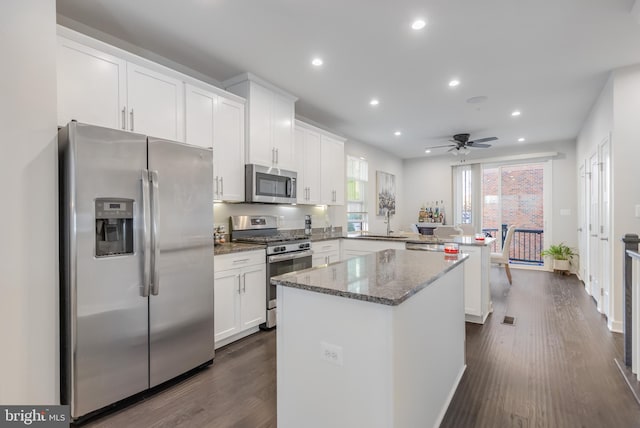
[375, 340]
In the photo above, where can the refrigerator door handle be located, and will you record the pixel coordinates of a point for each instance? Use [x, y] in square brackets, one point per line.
[155, 234]
[146, 281]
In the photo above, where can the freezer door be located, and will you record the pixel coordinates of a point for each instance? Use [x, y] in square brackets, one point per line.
[181, 304]
[104, 312]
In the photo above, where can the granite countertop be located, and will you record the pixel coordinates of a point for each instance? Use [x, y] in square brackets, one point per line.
[415, 238]
[460, 239]
[388, 277]
[235, 247]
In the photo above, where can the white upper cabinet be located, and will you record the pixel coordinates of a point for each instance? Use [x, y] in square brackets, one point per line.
[200, 106]
[215, 121]
[228, 149]
[332, 171]
[308, 152]
[270, 139]
[99, 89]
[320, 165]
[91, 86]
[156, 103]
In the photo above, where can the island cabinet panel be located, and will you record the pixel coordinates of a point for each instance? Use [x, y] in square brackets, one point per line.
[369, 364]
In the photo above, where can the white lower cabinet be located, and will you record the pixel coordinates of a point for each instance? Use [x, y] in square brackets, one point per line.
[325, 252]
[239, 295]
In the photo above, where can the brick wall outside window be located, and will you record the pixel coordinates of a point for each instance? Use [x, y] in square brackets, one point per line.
[521, 203]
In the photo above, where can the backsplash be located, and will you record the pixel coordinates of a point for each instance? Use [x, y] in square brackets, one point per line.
[289, 216]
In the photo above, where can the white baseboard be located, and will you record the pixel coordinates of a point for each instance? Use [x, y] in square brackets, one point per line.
[615, 326]
[241, 335]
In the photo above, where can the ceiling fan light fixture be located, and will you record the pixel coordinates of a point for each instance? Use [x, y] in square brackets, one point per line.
[418, 24]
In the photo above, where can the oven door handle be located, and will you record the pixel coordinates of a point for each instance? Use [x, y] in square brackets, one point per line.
[289, 256]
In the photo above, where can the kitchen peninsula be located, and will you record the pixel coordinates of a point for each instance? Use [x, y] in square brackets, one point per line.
[375, 341]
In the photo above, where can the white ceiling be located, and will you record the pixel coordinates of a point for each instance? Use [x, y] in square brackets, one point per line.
[548, 58]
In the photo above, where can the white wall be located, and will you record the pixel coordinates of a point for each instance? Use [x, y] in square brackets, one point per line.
[427, 179]
[29, 189]
[378, 160]
[430, 178]
[616, 113]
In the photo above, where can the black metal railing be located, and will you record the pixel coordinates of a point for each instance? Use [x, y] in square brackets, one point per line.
[526, 245]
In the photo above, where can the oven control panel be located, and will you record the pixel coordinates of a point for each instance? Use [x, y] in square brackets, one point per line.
[288, 248]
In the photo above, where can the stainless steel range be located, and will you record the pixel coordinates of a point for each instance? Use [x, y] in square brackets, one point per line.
[285, 252]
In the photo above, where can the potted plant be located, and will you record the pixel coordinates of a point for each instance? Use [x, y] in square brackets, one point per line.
[561, 254]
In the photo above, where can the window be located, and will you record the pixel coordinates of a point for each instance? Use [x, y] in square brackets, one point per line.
[357, 178]
[463, 195]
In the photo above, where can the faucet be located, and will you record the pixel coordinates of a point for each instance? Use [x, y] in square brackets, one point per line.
[388, 221]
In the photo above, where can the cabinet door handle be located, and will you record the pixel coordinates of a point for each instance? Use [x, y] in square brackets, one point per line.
[273, 155]
[241, 261]
[326, 260]
[131, 119]
[221, 186]
[244, 282]
[277, 156]
[239, 292]
[124, 118]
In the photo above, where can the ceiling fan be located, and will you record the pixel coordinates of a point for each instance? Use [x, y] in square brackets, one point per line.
[460, 144]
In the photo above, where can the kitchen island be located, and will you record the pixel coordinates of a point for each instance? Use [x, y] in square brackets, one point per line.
[373, 341]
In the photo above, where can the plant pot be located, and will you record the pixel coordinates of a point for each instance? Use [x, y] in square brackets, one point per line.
[560, 264]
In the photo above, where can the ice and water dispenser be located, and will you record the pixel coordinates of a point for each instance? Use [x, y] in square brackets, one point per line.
[114, 226]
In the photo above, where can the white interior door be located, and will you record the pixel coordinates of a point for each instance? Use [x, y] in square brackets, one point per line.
[583, 226]
[605, 246]
[594, 236]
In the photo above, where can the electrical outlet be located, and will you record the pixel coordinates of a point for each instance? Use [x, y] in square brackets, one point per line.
[331, 353]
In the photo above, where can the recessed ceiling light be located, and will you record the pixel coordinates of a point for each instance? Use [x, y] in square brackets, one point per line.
[418, 24]
[520, 140]
[374, 102]
[427, 151]
[317, 62]
[397, 133]
[515, 113]
[454, 83]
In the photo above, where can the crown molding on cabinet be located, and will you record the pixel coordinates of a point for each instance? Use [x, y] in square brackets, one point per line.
[253, 78]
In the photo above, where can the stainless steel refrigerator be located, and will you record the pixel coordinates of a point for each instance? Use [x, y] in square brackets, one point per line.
[136, 250]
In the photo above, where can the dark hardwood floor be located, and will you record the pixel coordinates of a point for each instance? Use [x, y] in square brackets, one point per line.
[553, 368]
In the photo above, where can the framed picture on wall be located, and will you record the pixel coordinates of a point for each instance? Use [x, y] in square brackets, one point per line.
[386, 191]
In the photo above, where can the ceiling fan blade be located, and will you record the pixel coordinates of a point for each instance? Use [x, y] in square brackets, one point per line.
[439, 147]
[482, 140]
[480, 145]
[453, 148]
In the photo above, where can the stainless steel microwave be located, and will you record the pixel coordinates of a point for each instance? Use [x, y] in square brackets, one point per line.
[269, 185]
